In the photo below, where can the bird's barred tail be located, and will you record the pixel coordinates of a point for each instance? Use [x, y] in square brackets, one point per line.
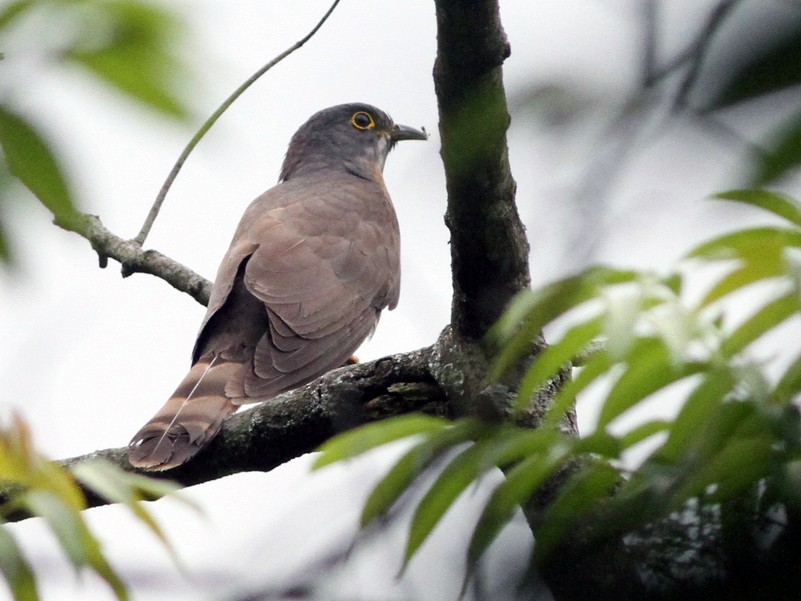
[188, 420]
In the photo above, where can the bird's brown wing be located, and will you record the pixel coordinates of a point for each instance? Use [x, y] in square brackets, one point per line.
[327, 263]
[323, 257]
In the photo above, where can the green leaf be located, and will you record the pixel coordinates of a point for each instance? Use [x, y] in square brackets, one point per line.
[6, 181]
[117, 486]
[778, 204]
[790, 383]
[5, 251]
[464, 469]
[695, 415]
[674, 282]
[556, 356]
[595, 367]
[64, 521]
[733, 420]
[504, 446]
[643, 432]
[30, 159]
[359, 440]
[576, 500]
[80, 546]
[129, 45]
[782, 155]
[758, 267]
[16, 570]
[784, 425]
[413, 463]
[761, 322]
[12, 11]
[518, 488]
[763, 252]
[749, 243]
[531, 310]
[738, 465]
[638, 500]
[600, 442]
[650, 368]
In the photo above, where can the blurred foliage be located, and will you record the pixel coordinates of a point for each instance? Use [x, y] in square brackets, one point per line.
[772, 66]
[35, 485]
[737, 61]
[130, 46]
[133, 46]
[30, 159]
[736, 432]
[783, 155]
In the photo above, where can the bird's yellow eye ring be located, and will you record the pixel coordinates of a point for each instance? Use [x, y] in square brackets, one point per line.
[362, 120]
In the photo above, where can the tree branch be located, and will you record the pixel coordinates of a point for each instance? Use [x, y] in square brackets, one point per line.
[697, 51]
[297, 422]
[489, 250]
[133, 259]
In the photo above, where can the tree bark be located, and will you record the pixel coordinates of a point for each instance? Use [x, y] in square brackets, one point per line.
[489, 250]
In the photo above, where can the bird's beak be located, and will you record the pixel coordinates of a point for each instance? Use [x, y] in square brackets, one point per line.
[404, 132]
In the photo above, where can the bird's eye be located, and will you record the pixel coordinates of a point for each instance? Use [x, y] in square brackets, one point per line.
[362, 120]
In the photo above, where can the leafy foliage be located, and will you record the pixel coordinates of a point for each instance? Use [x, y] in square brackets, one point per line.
[736, 430]
[127, 45]
[30, 159]
[772, 66]
[47, 489]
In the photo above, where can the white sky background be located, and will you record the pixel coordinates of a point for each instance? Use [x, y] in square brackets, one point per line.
[88, 357]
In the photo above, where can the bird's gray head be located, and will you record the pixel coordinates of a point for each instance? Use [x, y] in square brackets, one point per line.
[348, 137]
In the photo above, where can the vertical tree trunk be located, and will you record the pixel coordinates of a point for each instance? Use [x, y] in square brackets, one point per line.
[489, 250]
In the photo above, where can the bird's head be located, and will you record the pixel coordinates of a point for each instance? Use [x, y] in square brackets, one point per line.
[352, 137]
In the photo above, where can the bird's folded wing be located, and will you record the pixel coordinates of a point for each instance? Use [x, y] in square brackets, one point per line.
[322, 292]
[324, 273]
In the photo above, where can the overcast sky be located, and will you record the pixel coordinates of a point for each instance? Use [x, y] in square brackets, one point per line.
[88, 357]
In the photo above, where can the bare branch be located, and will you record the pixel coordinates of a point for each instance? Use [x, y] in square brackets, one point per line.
[696, 53]
[135, 260]
[154, 210]
[649, 12]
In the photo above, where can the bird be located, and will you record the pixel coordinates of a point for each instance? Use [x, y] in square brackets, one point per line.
[312, 263]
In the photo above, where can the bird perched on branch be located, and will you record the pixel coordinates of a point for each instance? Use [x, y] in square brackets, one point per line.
[312, 264]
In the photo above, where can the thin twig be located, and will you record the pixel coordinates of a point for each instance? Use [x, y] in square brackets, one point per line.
[649, 41]
[697, 52]
[154, 210]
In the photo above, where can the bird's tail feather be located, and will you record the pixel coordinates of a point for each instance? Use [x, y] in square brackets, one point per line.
[188, 420]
